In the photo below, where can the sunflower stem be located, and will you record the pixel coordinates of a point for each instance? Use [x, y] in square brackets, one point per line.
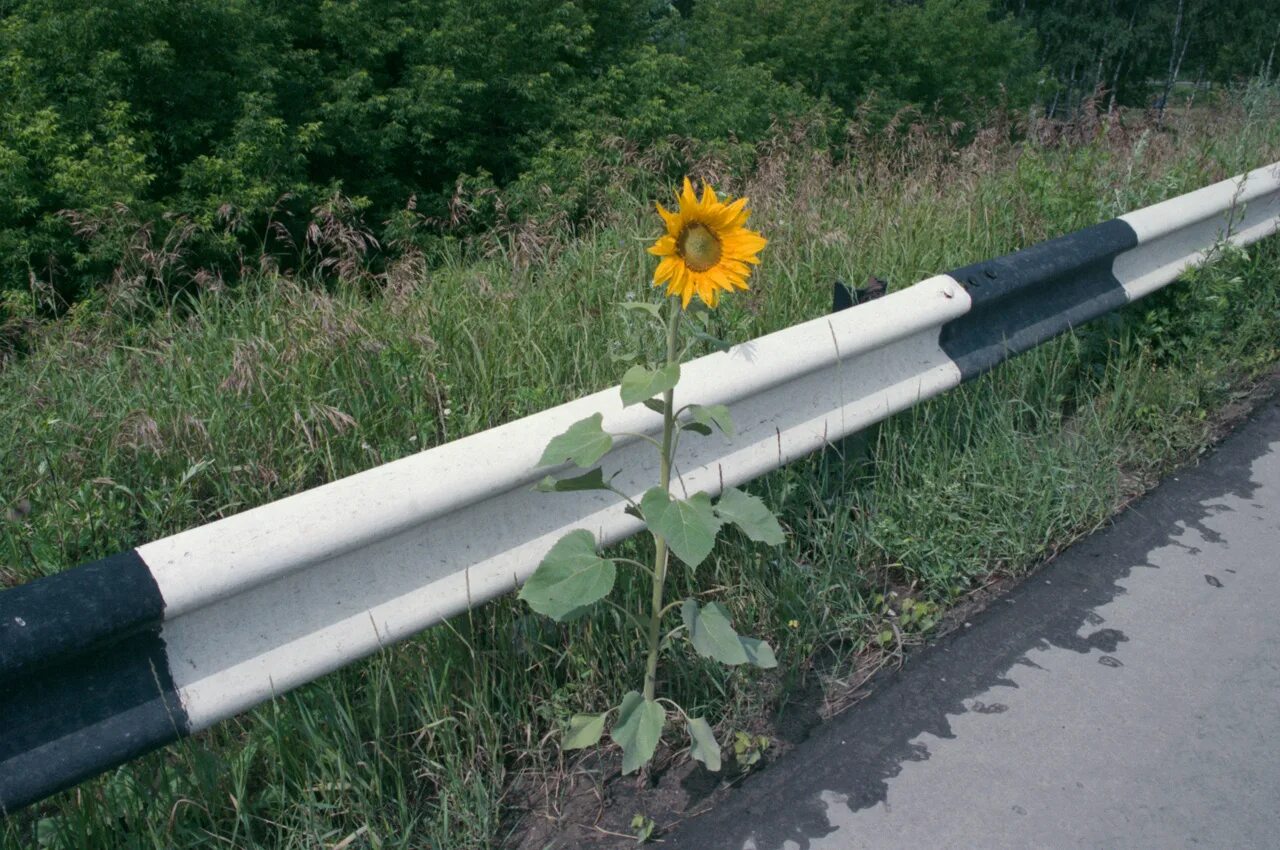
[661, 554]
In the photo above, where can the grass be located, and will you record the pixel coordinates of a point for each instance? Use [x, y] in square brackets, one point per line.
[125, 423]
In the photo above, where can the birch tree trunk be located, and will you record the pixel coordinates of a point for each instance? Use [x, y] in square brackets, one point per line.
[1175, 62]
[1120, 59]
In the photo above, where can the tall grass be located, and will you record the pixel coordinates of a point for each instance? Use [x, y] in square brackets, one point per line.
[124, 424]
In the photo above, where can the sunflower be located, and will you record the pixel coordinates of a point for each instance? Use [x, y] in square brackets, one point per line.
[706, 250]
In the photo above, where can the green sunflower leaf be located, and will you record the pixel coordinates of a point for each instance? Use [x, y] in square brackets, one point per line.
[584, 731]
[751, 515]
[711, 633]
[688, 525]
[638, 730]
[569, 578]
[593, 480]
[705, 748]
[583, 443]
[759, 653]
[641, 383]
[713, 414]
[715, 342]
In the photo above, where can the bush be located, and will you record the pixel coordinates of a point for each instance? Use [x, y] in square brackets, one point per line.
[952, 58]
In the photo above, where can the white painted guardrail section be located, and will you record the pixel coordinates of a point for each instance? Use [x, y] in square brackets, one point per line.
[1172, 235]
[458, 524]
[261, 602]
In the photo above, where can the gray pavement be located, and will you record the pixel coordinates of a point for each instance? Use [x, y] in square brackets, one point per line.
[1126, 696]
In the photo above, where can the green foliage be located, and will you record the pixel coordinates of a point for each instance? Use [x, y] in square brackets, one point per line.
[637, 730]
[673, 104]
[585, 730]
[570, 577]
[711, 634]
[108, 105]
[179, 144]
[643, 826]
[759, 652]
[705, 748]
[593, 480]
[751, 515]
[713, 414]
[1134, 51]
[239, 120]
[641, 384]
[688, 525]
[584, 443]
[748, 749]
[119, 428]
[955, 59]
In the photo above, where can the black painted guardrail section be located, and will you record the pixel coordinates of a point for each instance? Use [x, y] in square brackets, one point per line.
[84, 677]
[1030, 296]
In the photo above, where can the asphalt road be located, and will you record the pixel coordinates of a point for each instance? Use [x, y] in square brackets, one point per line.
[1126, 696]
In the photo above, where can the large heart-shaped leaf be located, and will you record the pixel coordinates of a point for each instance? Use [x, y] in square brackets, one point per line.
[638, 729]
[584, 443]
[640, 383]
[569, 578]
[711, 633]
[584, 731]
[703, 744]
[751, 515]
[688, 525]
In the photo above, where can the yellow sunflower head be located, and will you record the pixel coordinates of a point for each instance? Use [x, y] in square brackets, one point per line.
[706, 249]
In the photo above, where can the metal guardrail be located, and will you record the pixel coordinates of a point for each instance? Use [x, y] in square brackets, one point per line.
[112, 659]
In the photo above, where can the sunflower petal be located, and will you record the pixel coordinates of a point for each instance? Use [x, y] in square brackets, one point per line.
[678, 279]
[671, 219]
[729, 214]
[665, 270]
[709, 201]
[741, 243]
[688, 200]
[663, 247]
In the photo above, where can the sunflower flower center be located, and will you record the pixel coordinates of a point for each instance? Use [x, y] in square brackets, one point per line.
[699, 247]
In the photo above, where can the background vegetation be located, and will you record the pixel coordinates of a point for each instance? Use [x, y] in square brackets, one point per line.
[247, 247]
[138, 419]
[222, 137]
